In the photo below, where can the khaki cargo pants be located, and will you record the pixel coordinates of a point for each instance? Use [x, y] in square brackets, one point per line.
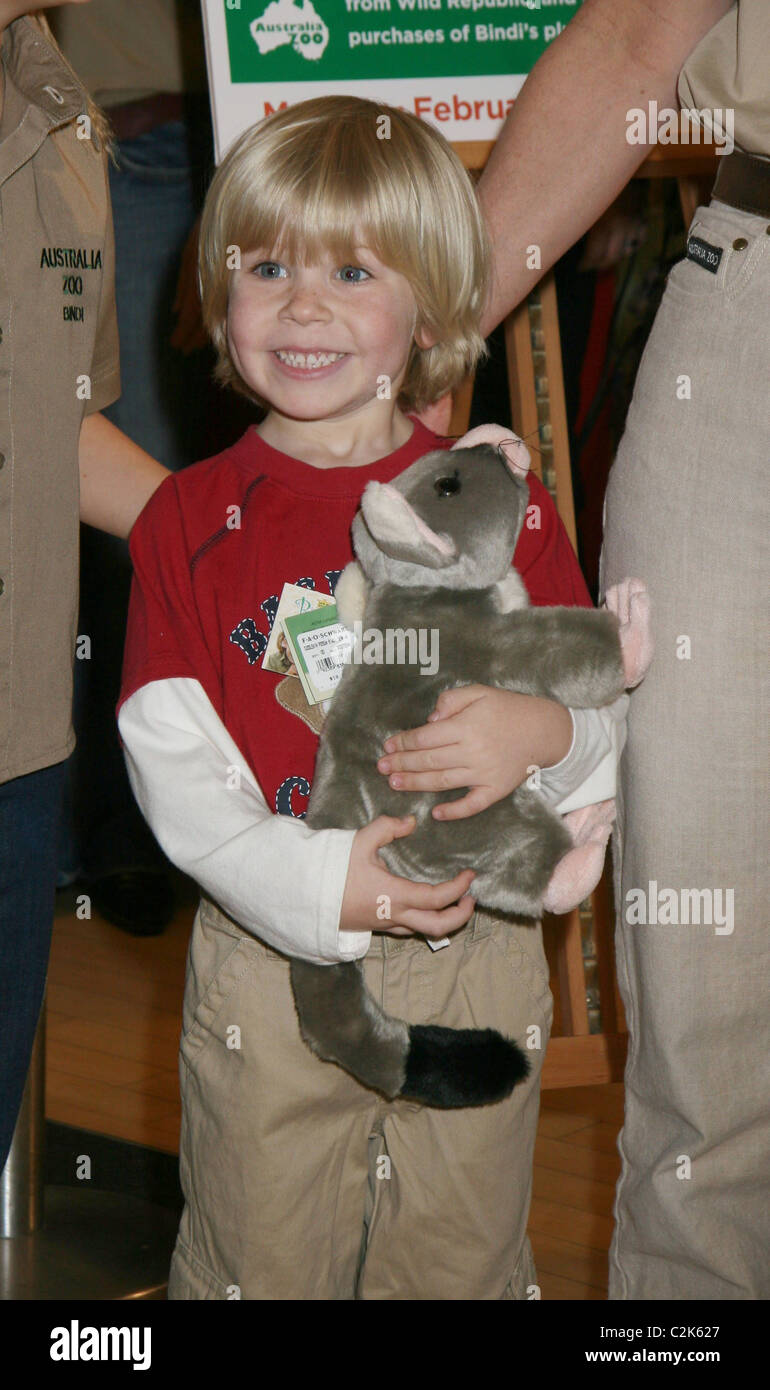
[302, 1184]
[687, 511]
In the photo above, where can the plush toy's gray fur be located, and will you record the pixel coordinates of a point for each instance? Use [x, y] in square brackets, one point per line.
[436, 547]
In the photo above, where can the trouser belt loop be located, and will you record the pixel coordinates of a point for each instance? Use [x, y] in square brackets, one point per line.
[743, 181]
[480, 925]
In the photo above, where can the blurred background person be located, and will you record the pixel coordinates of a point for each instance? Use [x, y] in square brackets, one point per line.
[60, 458]
[144, 62]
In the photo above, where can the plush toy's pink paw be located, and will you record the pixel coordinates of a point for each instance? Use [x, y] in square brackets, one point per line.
[577, 874]
[516, 453]
[591, 823]
[630, 602]
[574, 877]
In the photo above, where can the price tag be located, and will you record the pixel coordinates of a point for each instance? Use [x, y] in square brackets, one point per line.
[326, 653]
[321, 648]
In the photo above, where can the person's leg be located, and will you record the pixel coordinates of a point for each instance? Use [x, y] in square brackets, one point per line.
[30, 815]
[449, 1190]
[273, 1151]
[687, 512]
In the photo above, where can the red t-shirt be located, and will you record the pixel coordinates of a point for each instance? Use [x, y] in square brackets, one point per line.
[205, 592]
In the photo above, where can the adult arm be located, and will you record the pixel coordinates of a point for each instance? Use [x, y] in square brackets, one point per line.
[562, 156]
[117, 478]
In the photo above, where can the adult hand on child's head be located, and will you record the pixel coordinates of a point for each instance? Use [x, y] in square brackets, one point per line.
[478, 737]
[414, 909]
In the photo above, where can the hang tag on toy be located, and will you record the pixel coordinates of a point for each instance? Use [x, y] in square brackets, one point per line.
[320, 647]
[295, 598]
[438, 945]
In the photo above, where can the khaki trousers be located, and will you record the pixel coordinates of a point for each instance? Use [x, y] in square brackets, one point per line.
[687, 511]
[302, 1184]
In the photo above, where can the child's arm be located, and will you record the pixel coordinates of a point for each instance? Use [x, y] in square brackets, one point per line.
[588, 772]
[504, 737]
[206, 809]
[275, 875]
[278, 878]
[492, 740]
[191, 781]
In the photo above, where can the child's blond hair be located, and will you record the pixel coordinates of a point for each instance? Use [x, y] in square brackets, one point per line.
[335, 172]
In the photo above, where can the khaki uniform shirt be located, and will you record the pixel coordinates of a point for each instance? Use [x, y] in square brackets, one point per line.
[58, 340]
[127, 49]
[731, 68]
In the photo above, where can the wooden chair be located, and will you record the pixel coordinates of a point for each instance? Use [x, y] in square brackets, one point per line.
[589, 1038]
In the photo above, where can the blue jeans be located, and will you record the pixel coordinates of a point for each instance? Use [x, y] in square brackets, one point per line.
[156, 195]
[30, 812]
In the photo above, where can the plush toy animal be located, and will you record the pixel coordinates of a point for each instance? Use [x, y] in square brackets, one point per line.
[435, 550]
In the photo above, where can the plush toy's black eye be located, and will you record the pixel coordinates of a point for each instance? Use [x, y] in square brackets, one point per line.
[447, 487]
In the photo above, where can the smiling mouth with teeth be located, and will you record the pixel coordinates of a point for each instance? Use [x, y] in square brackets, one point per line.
[308, 360]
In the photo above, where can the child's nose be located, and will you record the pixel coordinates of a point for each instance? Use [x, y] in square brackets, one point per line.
[306, 304]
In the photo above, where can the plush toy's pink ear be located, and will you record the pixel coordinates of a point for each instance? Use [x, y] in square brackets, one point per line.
[512, 450]
[400, 532]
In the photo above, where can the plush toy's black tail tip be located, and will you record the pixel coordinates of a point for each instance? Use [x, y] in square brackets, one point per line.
[450, 1068]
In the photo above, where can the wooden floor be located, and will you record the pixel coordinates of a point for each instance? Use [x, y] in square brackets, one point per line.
[114, 1010]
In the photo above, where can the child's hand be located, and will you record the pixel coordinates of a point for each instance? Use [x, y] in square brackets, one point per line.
[422, 909]
[481, 738]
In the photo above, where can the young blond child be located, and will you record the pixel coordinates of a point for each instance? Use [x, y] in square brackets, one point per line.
[344, 269]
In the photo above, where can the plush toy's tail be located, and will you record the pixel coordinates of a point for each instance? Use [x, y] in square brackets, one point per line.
[445, 1067]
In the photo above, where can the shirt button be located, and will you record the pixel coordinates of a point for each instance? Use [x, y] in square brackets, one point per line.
[740, 243]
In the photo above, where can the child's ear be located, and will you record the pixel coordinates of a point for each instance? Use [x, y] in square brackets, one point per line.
[424, 338]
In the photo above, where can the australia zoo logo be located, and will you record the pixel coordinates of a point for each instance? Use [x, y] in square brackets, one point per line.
[294, 22]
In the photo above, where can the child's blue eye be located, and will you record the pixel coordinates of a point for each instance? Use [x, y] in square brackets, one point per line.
[353, 274]
[269, 270]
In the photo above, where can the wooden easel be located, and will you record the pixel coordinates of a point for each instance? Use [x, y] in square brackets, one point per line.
[575, 1056]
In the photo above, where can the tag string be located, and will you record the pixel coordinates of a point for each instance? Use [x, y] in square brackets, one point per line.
[522, 439]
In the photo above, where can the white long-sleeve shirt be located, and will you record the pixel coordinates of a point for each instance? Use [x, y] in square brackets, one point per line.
[273, 874]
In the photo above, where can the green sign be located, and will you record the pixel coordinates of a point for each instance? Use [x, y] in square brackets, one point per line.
[457, 63]
[280, 41]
